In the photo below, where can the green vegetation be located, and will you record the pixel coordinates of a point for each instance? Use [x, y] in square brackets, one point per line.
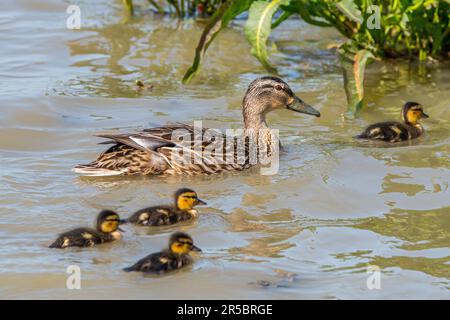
[377, 29]
[182, 8]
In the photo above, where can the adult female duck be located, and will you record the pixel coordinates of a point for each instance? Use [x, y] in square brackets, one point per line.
[180, 148]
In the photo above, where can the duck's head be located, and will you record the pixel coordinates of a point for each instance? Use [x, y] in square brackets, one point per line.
[108, 221]
[186, 199]
[182, 243]
[412, 112]
[267, 94]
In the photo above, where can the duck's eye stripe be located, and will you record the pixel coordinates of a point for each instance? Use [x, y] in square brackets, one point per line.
[267, 86]
[185, 241]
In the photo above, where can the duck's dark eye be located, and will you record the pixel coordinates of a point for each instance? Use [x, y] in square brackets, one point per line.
[278, 87]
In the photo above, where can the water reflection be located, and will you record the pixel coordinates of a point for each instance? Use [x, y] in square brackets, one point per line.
[413, 229]
[268, 233]
[391, 185]
[422, 238]
[436, 267]
[117, 54]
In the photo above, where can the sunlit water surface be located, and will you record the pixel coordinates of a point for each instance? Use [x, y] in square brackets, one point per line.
[310, 231]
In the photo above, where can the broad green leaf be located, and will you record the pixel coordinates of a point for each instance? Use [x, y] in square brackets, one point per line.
[354, 65]
[220, 19]
[258, 26]
[350, 10]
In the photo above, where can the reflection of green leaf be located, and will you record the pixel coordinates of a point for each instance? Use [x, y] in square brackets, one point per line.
[350, 10]
[258, 27]
[416, 229]
[129, 5]
[156, 5]
[220, 19]
[354, 66]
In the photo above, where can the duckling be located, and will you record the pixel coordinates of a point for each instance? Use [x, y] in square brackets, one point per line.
[157, 150]
[393, 131]
[107, 230]
[175, 257]
[183, 210]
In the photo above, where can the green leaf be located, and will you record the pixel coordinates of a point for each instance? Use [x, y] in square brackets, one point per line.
[258, 26]
[350, 10]
[354, 65]
[284, 16]
[220, 19]
[156, 5]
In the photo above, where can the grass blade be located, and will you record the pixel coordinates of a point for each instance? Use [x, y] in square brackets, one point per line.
[220, 19]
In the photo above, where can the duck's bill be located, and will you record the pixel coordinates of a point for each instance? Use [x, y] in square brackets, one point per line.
[120, 229]
[200, 202]
[196, 249]
[299, 106]
[122, 221]
[424, 115]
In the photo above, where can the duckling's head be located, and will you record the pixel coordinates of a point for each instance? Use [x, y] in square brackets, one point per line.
[108, 221]
[186, 199]
[182, 243]
[412, 112]
[267, 94]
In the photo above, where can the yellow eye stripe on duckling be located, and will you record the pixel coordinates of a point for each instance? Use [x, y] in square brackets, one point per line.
[181, 246]
[413, 115]
[110, 224]
[187, 200]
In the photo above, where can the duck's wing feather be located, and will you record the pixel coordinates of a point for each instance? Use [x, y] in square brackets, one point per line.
[153, 216]
[80, 237]
[165, 149]
[141, 141]
[155, 262]
[390, 131]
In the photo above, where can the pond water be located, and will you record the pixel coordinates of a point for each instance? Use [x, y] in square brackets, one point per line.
[310, 231]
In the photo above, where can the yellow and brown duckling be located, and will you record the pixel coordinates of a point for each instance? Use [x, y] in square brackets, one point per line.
[157, 150]
[175, 257]
[393, 131]
[107, 230]
[182, 210]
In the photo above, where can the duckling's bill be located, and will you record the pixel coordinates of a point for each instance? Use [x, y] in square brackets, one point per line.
[298, 105]
[121, 221]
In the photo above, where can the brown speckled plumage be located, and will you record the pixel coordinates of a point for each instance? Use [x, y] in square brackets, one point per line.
[161, 150]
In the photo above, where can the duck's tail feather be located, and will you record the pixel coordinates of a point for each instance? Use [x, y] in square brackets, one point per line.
[87, 170]
[128, 269]
[55, 245]
[360, 136]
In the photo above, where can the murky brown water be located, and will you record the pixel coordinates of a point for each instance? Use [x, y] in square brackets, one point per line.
[335, 207]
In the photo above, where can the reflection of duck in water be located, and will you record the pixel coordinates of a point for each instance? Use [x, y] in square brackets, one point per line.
[107, 230]
[392, 131]
[183, 210]
[140, 85]
[158, 150]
